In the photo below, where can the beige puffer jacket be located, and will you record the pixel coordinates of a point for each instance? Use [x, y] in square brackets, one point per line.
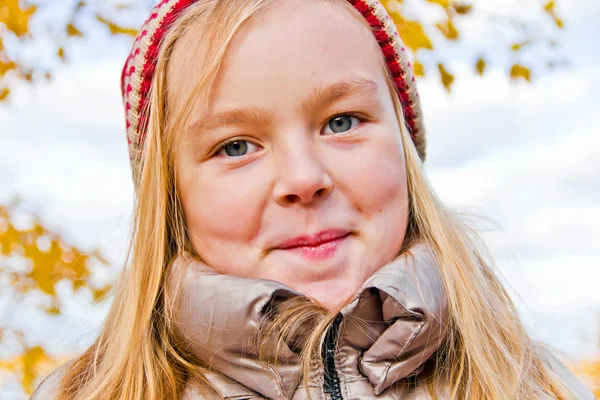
[385, 335]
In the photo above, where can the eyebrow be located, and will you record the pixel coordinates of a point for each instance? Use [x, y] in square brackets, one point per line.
[319, 98]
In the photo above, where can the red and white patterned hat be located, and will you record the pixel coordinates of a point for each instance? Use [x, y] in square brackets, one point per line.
[138, 72]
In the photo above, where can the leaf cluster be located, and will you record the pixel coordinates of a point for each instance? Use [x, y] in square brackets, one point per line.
[420, 35]
[33, 261]
[425, 39]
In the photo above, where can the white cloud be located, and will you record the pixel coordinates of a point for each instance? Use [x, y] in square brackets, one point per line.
[65, 153]
[487, 115]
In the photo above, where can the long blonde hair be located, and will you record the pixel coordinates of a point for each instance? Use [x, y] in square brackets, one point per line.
[487, 355]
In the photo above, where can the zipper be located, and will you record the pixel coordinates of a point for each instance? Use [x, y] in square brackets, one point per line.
[331, 385]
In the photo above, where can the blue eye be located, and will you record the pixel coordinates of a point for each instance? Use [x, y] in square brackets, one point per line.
[236, 148]
[342, 123]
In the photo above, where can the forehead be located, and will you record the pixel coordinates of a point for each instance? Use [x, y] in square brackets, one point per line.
[291, 48]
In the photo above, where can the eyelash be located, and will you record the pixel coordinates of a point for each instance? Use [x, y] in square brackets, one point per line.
[360, 118]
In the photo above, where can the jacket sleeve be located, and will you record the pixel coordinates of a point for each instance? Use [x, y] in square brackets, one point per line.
[48, 388]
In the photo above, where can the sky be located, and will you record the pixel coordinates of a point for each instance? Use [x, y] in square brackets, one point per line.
[522, 158]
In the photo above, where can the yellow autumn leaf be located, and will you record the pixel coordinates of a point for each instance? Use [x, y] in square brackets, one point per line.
[4, 12]
[50, 259]
[15, 18]
[519, 71]
[52, 310]
[519, 46]
[412, 32]
[31, 359]
[418, 68]
[80, 5]
[27, 76]
[550, 8]
[31, 363]
[10, 365]
[448, 29]
[480, 66]
[4, 92]
[6, 66]
[559, 22]
[61, 53]
[446, 77]
[100, 294]
[461, 8]
[442, 3]
[116, 29]
[73, 31]
[125, 6]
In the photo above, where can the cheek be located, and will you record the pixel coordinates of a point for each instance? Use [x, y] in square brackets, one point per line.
[377, 178]
[221, 211]
[379, 191]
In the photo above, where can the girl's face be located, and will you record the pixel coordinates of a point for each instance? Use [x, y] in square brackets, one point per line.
[301, 146]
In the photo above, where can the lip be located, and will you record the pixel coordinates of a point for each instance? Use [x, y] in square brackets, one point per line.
[316, 247]
[313, 240]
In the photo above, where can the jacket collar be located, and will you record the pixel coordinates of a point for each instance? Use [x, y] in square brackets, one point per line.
[396, 321]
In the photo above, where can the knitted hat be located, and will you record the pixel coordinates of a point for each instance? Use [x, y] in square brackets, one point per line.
[138, 72]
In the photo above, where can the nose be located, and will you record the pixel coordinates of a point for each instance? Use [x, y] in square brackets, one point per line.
[301, 177]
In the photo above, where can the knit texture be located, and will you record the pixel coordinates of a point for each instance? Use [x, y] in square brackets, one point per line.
[139, 68]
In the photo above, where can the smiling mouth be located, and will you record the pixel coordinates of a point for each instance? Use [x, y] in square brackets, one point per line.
[313, 240]
[320, 249]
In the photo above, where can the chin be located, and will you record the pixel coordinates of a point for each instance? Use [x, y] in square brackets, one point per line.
[331, 295]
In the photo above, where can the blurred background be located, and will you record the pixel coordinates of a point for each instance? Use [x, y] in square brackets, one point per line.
[511, 95]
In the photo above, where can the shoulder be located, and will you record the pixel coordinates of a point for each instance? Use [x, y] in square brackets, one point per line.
[48, 388]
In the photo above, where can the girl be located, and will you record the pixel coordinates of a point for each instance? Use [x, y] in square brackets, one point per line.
[286, 242]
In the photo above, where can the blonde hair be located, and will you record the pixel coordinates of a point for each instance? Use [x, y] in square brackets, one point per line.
[488, 353]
